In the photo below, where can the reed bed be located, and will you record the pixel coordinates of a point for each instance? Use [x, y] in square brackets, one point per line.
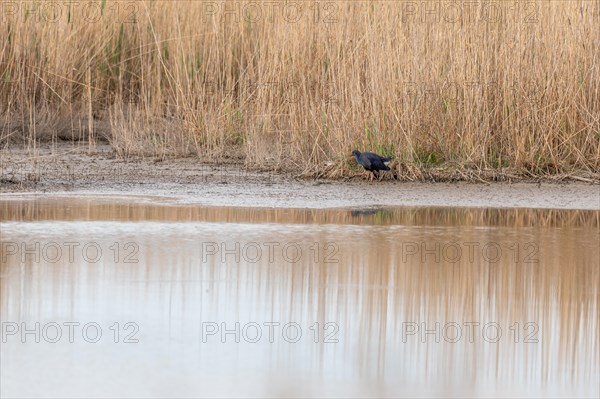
[491, 86]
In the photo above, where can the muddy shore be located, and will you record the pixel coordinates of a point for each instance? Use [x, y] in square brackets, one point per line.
[69, 170]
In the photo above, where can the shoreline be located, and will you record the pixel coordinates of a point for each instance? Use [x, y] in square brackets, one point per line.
[72, 172]
[441, 195]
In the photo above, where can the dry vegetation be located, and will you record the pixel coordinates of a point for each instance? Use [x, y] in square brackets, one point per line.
[487, 88]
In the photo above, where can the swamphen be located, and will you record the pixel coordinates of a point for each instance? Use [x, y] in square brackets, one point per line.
[371, 162]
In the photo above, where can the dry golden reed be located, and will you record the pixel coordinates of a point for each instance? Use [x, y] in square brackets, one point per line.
[491, 85]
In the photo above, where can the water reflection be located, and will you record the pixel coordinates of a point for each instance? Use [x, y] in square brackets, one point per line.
[421, 301]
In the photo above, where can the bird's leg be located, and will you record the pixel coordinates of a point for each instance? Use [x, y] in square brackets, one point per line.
[361, 174]
[372, 175]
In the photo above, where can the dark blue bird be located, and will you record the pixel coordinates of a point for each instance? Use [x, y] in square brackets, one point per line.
[371, 162]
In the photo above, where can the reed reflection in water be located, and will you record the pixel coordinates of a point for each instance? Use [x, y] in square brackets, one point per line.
[395, 302]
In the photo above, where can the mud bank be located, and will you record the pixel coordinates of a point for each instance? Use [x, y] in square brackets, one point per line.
[70, 171]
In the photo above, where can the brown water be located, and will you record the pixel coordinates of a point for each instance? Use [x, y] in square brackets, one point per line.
[387, 302]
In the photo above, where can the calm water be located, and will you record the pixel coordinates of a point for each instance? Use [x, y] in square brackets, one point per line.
[143, 298]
